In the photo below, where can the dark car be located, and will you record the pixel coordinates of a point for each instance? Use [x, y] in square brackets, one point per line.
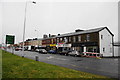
[42, 51]
[65, 52]
[52, 51]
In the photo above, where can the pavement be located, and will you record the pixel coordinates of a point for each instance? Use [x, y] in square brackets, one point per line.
[105, 66]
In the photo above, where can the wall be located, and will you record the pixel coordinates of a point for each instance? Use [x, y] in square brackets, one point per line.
[106, 43]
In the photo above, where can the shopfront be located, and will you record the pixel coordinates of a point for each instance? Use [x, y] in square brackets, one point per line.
[86, 47]
[63, 46]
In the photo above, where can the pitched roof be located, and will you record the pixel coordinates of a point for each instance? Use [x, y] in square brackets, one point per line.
[85, 31]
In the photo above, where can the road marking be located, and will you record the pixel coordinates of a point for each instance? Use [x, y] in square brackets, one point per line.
[50, 57]
[61, 59]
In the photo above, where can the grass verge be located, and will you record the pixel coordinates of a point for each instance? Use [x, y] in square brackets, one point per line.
[17, 67]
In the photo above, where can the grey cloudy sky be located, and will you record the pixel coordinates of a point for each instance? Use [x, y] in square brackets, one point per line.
[55, 16]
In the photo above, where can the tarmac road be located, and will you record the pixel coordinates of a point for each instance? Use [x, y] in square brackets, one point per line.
[105, 66]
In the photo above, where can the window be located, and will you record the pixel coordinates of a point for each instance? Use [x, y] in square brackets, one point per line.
[61, 39]
[57, 40]
[74, 38]
[88, 37]
[69, 39]
[65, 39]
[103, 49]
[101, 36]
[79, 38]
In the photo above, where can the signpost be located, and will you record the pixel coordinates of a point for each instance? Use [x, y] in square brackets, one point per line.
[10, 40]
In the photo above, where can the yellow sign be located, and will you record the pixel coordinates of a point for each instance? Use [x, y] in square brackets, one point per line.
[52, 44]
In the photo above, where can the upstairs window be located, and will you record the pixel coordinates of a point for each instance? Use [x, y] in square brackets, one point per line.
[79, 38]
[103, 49]
[74, 39]
[65, 39]
[69, 39]
[57, 40]
[101, 36]
[61, 39]
[88, 37]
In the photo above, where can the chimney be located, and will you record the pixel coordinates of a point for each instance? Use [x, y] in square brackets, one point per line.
[58, 34]
[45, 36]
[49, 35]
[78, 30]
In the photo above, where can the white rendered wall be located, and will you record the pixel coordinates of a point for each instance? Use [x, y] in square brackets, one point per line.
[106, 43]
[116, 48]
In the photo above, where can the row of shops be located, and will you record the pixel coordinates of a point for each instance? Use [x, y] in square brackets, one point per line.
[98, 40]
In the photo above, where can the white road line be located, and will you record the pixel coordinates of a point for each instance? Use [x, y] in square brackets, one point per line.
[50, 57]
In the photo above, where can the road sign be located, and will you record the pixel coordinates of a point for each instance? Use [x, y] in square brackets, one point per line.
[10, 39]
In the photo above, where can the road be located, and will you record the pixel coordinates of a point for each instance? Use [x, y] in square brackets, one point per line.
[105, 66]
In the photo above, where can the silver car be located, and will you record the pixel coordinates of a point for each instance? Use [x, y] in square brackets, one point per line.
[42, 51]
[74, 53]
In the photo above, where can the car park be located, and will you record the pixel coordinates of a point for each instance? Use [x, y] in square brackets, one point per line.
[74, 53]
[42, 51]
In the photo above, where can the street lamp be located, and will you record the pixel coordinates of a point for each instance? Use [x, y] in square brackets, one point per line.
[25, 22]
[37, 37]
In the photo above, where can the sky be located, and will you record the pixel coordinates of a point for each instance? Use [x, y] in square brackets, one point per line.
[56, 17]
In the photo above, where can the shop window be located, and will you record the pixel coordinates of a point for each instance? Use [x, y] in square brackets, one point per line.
[90, 50]
[95, 50]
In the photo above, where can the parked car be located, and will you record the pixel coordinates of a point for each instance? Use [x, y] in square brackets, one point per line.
[74, 53]
[42, 51]
[37, 50]
[18, 49]
[64, 52]
[52, 51]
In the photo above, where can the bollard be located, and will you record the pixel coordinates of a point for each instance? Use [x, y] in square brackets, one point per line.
[22, 55]
[36, 58]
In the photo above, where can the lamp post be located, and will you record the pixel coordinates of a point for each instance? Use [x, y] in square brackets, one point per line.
[25, 23]
[37, 37]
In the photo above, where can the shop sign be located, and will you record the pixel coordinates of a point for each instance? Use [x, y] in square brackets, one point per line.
[52, 44]
[10, 39]
[63, 45]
